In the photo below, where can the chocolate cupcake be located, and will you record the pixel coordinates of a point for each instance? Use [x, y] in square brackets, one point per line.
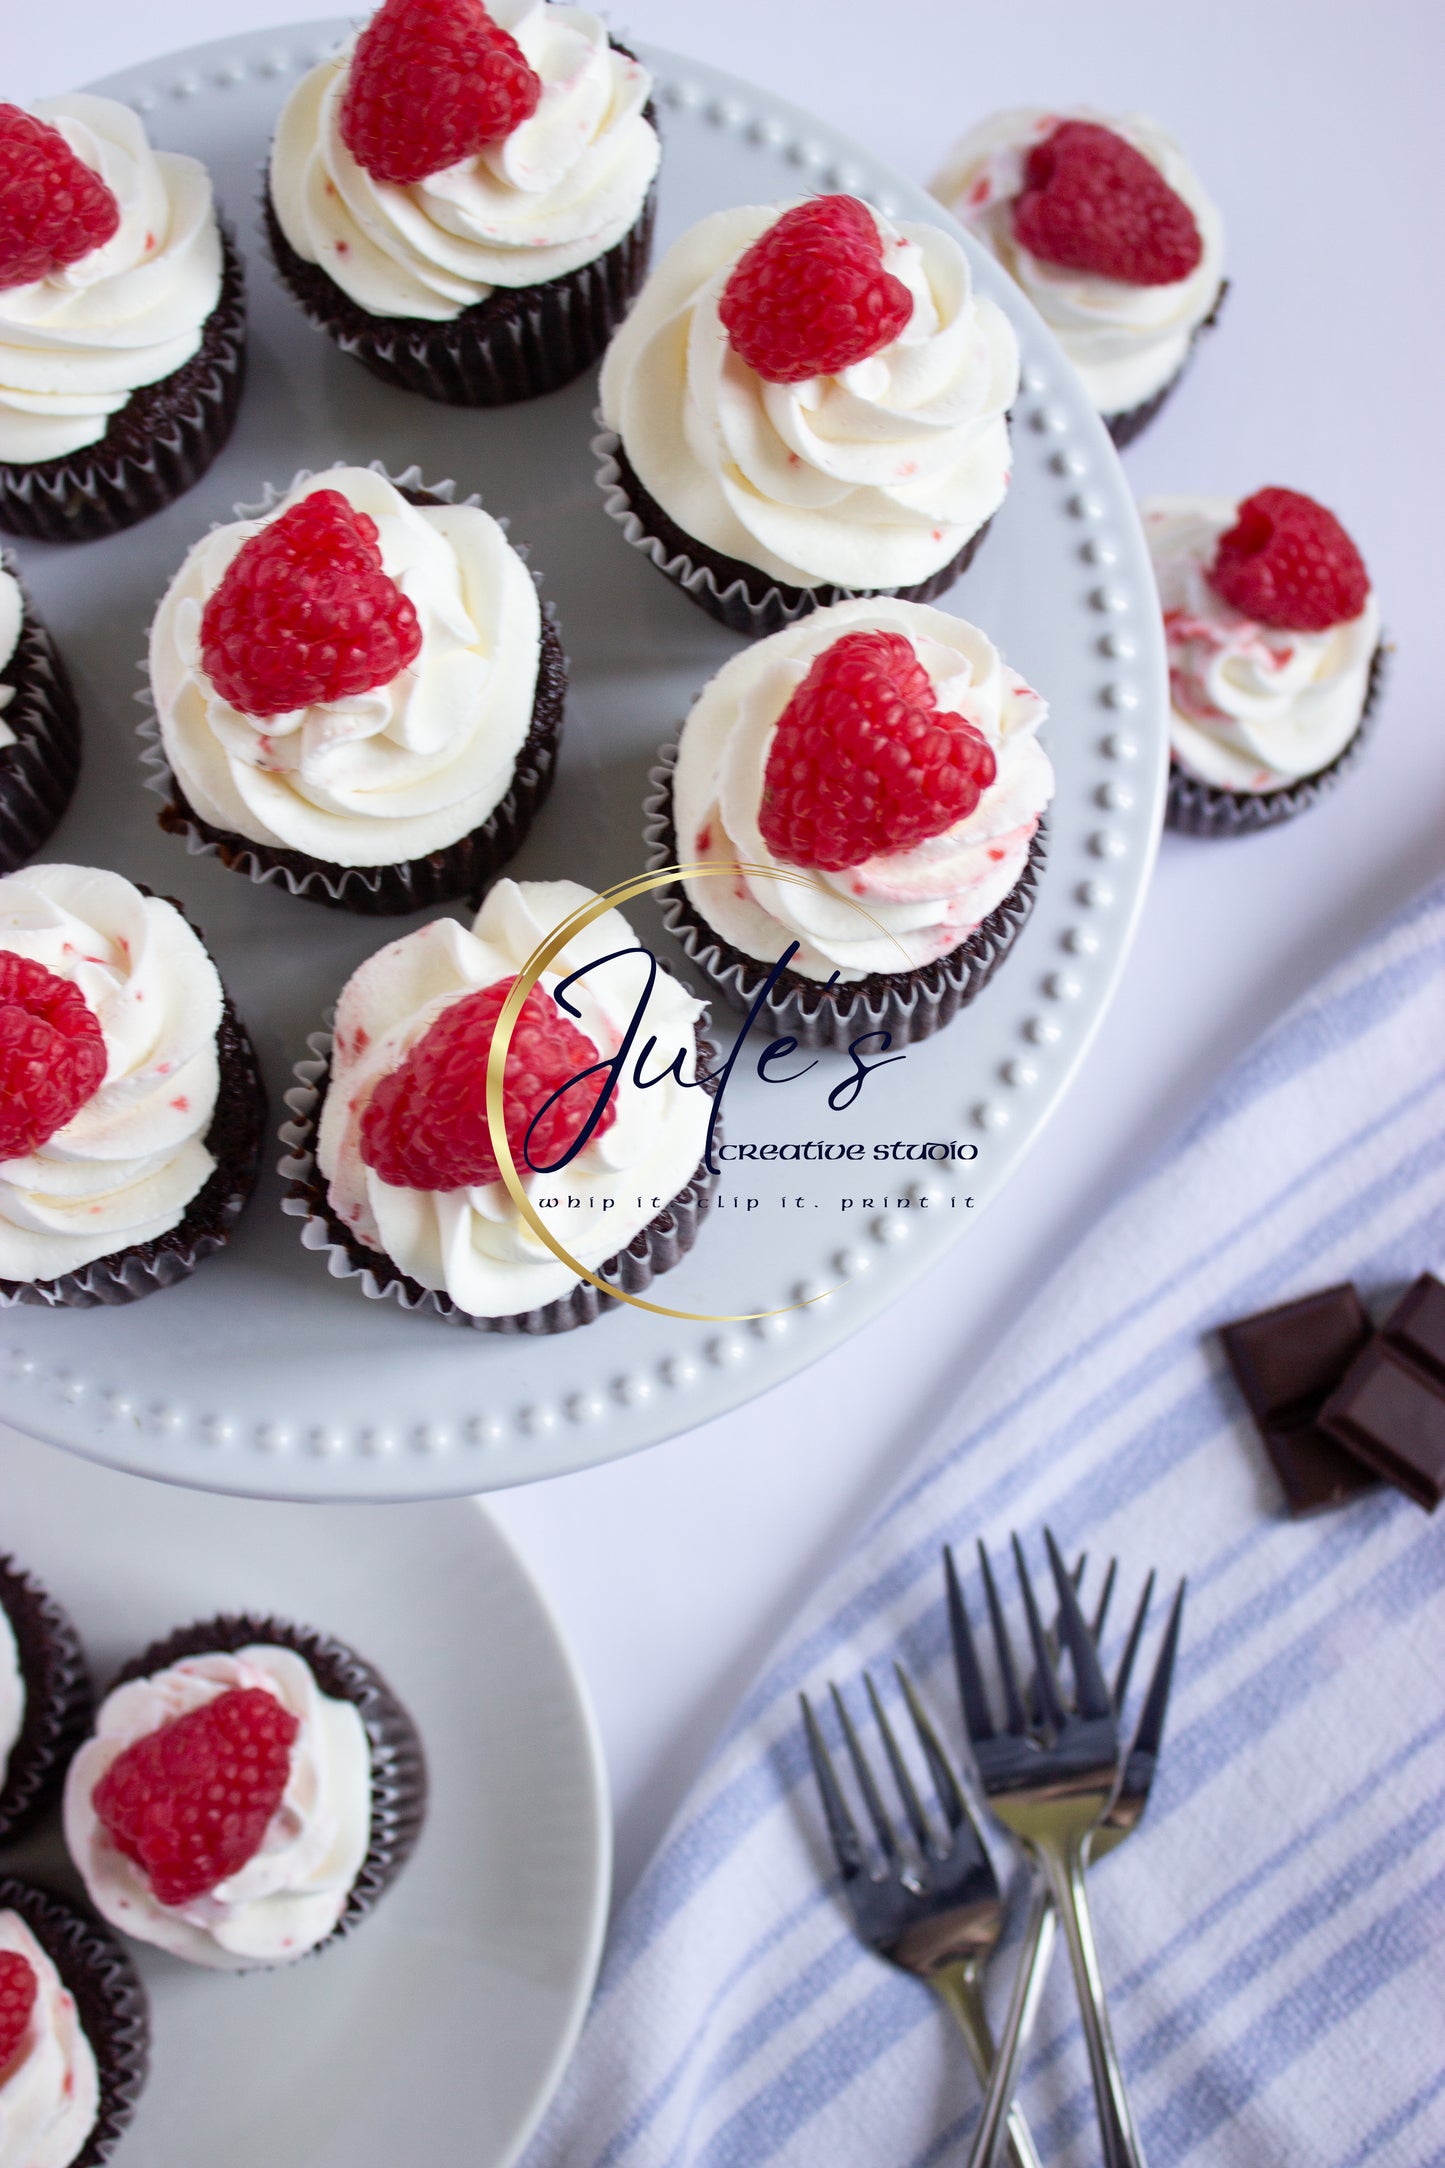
[1105, 226]
[74, 2031]
[122, 322]
[45, 1699]
[1275, 656]
[326, 1814]
[39, 728]
[857, 805]
[129, 1155]
[390, 1161]
[806, 404]
[464, 200]
[357, 692]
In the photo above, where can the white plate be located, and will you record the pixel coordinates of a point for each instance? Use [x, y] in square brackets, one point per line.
[439, 2030]
[261, 1375]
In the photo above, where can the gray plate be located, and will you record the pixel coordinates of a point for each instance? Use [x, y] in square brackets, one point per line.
[262, 1375]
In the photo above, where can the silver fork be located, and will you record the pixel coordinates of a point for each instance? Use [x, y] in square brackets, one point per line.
[1051, 1783]
[935, 1909]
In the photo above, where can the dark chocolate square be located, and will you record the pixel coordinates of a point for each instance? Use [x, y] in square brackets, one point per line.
[1287, 1361]
[1389, 1408]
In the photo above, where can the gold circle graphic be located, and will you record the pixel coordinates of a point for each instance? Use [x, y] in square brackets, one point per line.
[544, 954]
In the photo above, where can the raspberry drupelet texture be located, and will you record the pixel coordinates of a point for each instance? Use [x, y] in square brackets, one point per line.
[18, 1989]
[425, 1125]
[863, 761]
[1092, 202]
[52, 1054]
[432, 82]
[1288, 562]
[811, 296]
[190, 1803]
[305, 613]
[53, 208]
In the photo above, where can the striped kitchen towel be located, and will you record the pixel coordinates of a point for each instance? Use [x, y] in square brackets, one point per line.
[1274, 1936]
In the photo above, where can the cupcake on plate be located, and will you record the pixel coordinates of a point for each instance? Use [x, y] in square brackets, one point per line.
[463, 198]
[1104, 224]
[122, 321]
[39, 728]
[358, 692]
[1275, 655]
[74, 2033]
[131, 1105]
[44, 1698]
[883, 758]
[807, 402]
[391, 1160]
[250, 1789]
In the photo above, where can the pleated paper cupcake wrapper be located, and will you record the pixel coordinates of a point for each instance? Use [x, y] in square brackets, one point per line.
[463, 868]
[39, 772]
[110, 2003]
[58, 1699]
[656, 1248]
[1203, 809]
[234, 1140]
[519, 344]
[737, 595]
[1133, 421]
[911, 1006]
[398, 1762]
[183, 422]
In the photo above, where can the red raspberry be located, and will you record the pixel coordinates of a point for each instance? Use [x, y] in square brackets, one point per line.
[425, 1125]
[52, 1054]
[811, 296]
[1286, 561]
[863, 762]
[432, 82]
[18, 1989]
[1091, 202]
[190, 1803]
[305, 613]
[53, 208]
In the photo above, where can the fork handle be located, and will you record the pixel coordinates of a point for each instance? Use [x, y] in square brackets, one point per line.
[1033, 1965]
[961, 1987]
[1122, 2147]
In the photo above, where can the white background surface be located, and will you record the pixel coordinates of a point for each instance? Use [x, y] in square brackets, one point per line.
[1315, 127]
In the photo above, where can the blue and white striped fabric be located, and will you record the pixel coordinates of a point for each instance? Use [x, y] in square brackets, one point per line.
[1275, 1934]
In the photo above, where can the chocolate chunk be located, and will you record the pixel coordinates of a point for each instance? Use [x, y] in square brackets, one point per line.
[1389, 1408]
[1288, 1361]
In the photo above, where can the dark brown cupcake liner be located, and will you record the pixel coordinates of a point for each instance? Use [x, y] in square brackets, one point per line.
[735, 593]
[519, 343]
[1133, 421]
[110, 2003]
[910, 1005]
[58, 1699]
[39, 772]
[234, 1142]
[463, 868]
[654, 1249]
[1194, 808]
[398, 1762]
[157, 447]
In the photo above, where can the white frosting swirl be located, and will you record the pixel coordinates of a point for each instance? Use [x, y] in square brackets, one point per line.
[292, 1892]
[51, 2097]
[405, 769]
[872, 478]
[1252, 707]
[472, 1243]
[123, 1169]
[12, 1693]
[1125, 341]
[922, 902]
[12, 617]
[74, 346]
[555, 194]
